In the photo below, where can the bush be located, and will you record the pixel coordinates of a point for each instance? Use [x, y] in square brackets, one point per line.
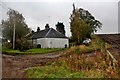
[7, 45]
[23, 44]
[77, 50]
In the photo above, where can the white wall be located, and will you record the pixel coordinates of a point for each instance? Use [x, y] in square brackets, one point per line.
[34, 41]
[53, 42]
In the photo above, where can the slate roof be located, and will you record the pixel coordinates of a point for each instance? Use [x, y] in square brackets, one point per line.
[47, 33]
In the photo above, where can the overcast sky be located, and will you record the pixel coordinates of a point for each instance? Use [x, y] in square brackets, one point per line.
[38, 13]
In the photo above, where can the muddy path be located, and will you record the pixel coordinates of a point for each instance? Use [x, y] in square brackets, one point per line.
[14, 66]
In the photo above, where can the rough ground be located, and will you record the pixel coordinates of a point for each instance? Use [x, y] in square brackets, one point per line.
[13, 66]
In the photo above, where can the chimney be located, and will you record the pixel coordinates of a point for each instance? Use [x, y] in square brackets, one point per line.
[47, 26]
[32, 31]
[38, 29]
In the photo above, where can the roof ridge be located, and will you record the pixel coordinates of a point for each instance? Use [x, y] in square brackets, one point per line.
[48, 32]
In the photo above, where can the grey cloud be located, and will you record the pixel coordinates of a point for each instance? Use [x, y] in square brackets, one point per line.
[36, 13]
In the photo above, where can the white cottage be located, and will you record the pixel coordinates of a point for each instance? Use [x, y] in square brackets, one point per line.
[49, 38]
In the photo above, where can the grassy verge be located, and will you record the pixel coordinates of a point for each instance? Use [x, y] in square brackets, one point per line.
[96, 44]
[76, 66]
[31, 51]
[44, 50]
[58, 70]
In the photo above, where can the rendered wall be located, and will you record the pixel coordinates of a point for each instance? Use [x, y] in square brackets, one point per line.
[53, 42]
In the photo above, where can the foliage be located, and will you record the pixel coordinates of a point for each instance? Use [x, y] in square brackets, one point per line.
[7, 44]
[82, 24]
[96, 44]
[23, 44]
[14, 19]
[60, 27]
[86, 15]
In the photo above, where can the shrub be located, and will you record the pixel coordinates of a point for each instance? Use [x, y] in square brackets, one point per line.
[7, 45]
[23, 44]
[77, 50]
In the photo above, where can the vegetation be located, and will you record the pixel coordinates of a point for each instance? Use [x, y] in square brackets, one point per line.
[96, 44]
[44, 50]
[9, 51]
[57, 69]
[60, 27]
[30, 51]
[76, 64]
[82, 24]
[15, 21]
[0, 47]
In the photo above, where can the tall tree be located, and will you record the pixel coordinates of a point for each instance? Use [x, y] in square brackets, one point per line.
[86, 15]
[60, 27]
[14, 19]
[82, 24]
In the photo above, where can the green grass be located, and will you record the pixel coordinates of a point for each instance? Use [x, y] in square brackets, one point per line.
[0, 46]
[96, 44]
[30, 51]
[4, 49]
[57, 70]
[44, 50]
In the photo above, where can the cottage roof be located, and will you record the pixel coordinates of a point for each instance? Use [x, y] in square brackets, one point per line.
[48, 33]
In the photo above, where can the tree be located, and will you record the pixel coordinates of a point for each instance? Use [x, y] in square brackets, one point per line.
[14, 19]
[60, 27]
[82, 24]
[86, 15]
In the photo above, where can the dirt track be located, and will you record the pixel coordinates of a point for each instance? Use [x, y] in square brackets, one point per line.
[13, 66]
